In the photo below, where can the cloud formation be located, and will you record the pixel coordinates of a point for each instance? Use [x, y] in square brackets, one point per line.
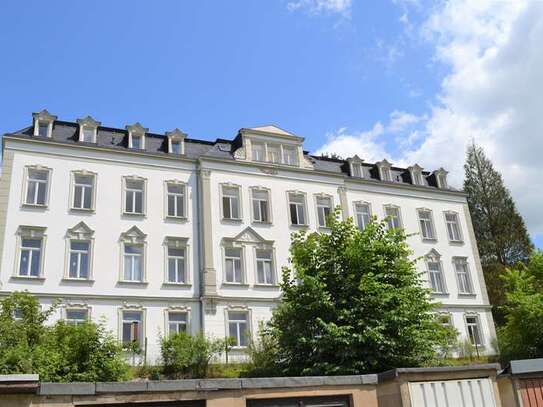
[492, 94]
[342, 7]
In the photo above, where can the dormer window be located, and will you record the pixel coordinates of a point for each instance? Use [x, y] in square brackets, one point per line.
[416, 175]
[290, 155]
[259, 151]
[43, 124]
[385, 170]
[441, 178]
[355, 164]
[176, 142]
[274, 153]
[88, 128]
[136, 136]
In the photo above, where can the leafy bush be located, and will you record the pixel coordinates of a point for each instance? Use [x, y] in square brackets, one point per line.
[188, 357]
[61, 352]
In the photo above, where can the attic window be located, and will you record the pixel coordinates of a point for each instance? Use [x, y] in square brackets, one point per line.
[43, 124]
[442, 180]
[43, 129]
[356, 170]
[136, 136]
[176, 147]
[88, 128]
[386, 174]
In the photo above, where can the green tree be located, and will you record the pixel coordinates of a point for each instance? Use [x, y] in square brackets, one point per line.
[60, 352]
[500, 231]
[519, 337]
[353, 303]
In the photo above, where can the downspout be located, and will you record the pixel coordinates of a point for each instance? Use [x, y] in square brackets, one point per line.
[199, 206]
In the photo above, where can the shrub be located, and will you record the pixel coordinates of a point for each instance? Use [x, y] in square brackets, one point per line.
[188, 357]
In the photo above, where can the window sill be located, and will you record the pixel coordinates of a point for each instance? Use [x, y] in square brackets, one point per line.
[440, 294]
[170, 284]
[28, 278]
[467, 295]
[456, 242]
[261, 285]
[135, 215]
[429, 240]
[258, 222]
[82, 210]
[78, 280]
[299, 226]
[34, 206]
[176, 218]
[133, 282]
[228, 284]
[232, 220]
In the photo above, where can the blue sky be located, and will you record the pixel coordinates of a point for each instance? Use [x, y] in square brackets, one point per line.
[407, 80]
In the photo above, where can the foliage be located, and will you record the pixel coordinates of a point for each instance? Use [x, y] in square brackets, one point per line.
[499, 229]
[353, 303]
[519, 337]
[61, 352]
[262, 356]
[188, 357]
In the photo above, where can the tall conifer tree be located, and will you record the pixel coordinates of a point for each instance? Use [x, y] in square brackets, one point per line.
[500, 230]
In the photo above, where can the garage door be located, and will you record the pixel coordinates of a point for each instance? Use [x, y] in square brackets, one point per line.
[532, 392]
[452, 393]
[333, 401]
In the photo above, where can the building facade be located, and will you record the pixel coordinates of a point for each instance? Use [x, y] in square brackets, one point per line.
[161, 233]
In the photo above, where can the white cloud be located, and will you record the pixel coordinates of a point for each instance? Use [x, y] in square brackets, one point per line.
[342, 7]
[492, 94]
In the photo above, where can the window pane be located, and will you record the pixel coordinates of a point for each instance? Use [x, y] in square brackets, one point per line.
[34, 243]
[136, 142]
[233, 332]
[31, 192]
[176, 252]
[25, 263]
[226, 212]
[35, 263]
[139, 202]
[237, 316]
[242, 334]
[88, 134]
[133, 249]
[258, 152]
[301, 214]
[256, 211]
[43, 129]
[177, 316]
[293, 214]
[77, 314]
[42, 190]
[176, 147]
[232, 252]
[78, 192]
[73, 265]
[134, 184]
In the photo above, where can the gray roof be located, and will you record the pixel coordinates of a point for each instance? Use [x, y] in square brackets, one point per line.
[525, 366]
[156, 144]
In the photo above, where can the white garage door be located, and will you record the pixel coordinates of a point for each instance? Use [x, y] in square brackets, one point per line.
[453, 393]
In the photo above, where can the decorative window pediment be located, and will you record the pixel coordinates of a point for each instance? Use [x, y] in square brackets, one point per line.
[355, 166]
[433, 255]
[385, 170]
[441, 178]
[31, 232]
[176, 141]
[80, 232]
[250, 236]
[43, 123]
[416, 174]
[175, 242]
[133, 235]
[88, 128]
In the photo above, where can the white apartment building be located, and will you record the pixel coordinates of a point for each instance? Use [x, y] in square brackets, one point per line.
[157, 233]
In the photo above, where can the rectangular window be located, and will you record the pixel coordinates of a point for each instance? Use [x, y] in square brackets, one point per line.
[264, 266]
[132, 327]
[363, 214]
[76, 316]
[176, 147]
[357, 170]
[259, 151]
[83, 191]
[133, 262]
[436, 276]
[297, 209]
[177, 322]
[230, 203]
[176, 200]
[176, 265]
[238, 328]
[426, 224]
[453, 227]
[445, 320]
[261, 205]
[462, 276]
[386, 174]
[136, 142]
[324, 208]
[36, 188]
[417, 178]
[392, 214]
[233, 268]
[30, 257]
[88, 135]
[135, 190]
[43, 129]
[79, 259]
[474, 331]
[274, 153]
[290, 155]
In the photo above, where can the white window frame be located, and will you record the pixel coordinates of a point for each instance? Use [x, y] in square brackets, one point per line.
[456, 260]
[356, 213]
[252, 190]
[385, 171]
[431, 225]
[184, 216]
[435, 257]
[79, 233]
[441, 178]
[479, 328]
[248, 322]
[142, 311]
[144, 195]
[240, 200]
[174, 242]
[73, 186]
[294, 149]
[458, 225]
[306, 214]
[264, 153]
[133, 236]
[281, 144]
[243, 275]
[27, 170]
[176, 310]
[272, 261]
[136, 130]
[69, 308]
[317, 209]
[45, 118]
[34, 233]
[88, 123]
[400, 221]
